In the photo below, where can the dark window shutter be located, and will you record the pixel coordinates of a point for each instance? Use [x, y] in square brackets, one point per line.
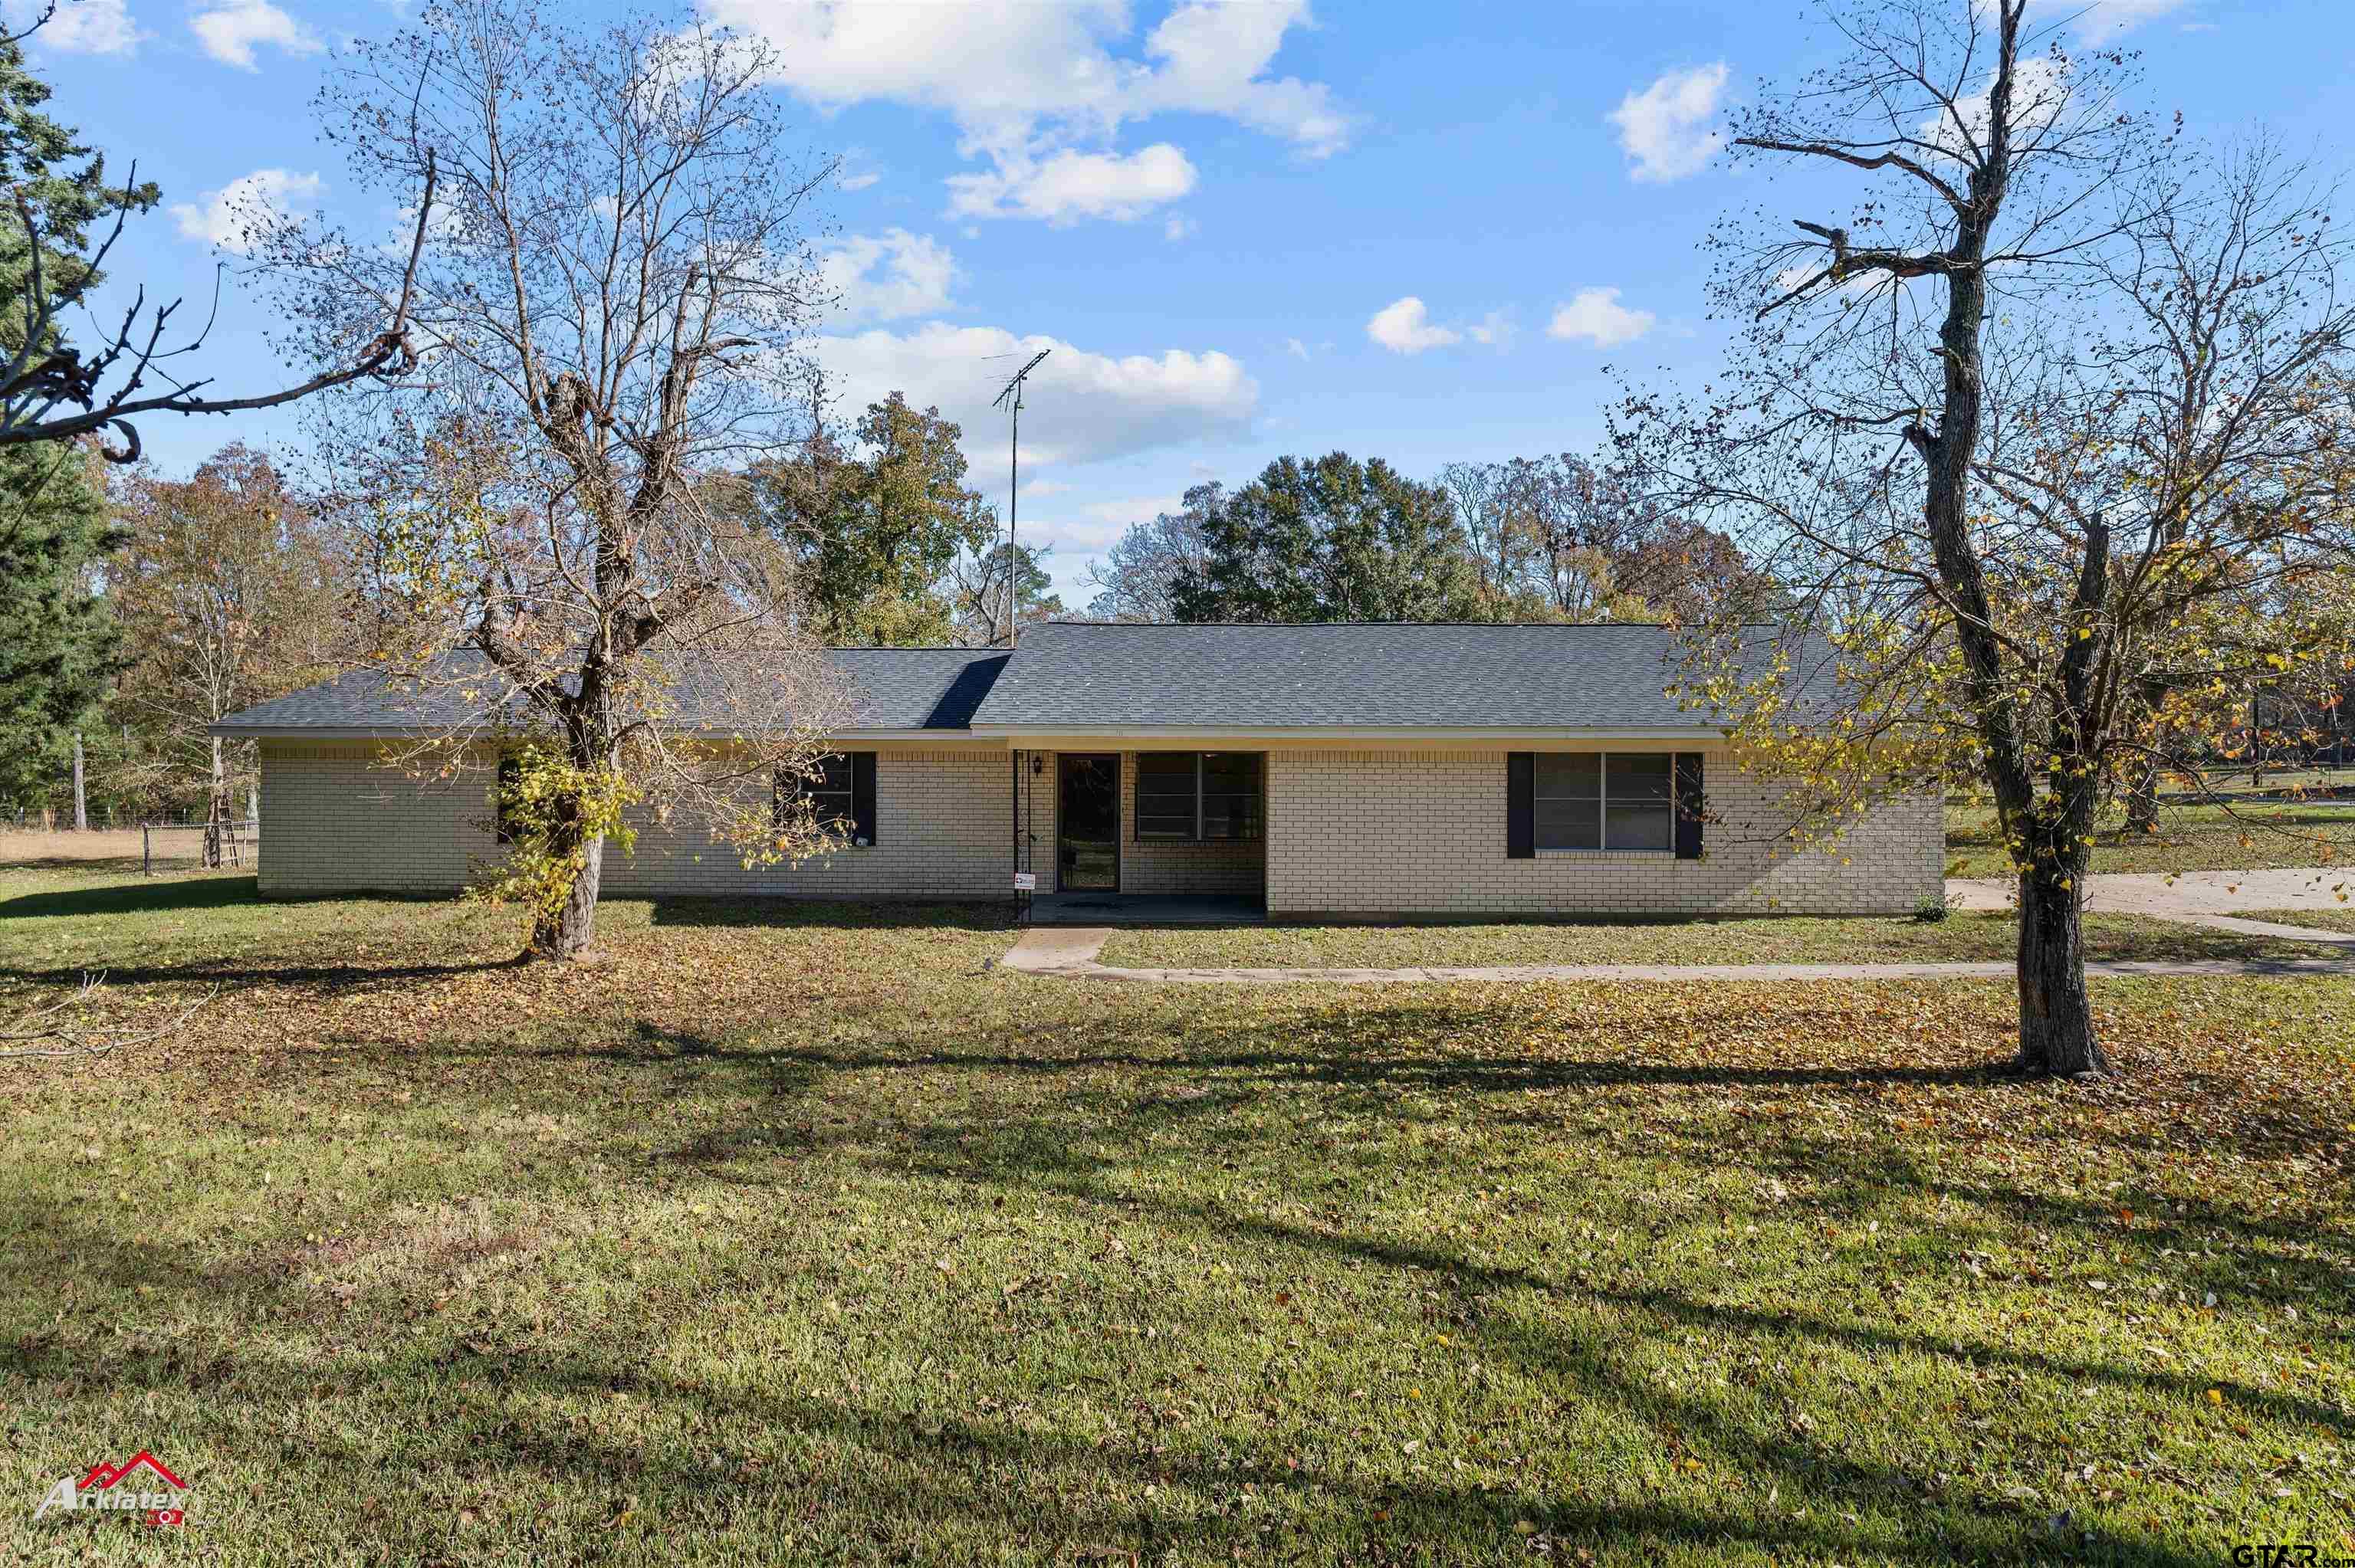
[1692, 799]
[1520, 805]
[862, 795]
[510, 774]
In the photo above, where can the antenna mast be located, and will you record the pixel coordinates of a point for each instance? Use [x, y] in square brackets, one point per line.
[1013, 390]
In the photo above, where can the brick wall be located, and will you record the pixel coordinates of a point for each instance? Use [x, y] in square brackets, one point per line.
[339, 821]
[1355, 833]
[1376, 832]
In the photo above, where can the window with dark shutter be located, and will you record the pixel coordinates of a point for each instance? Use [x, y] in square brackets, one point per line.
[1692, 799]
[1624, 800]
[841, 797]
[1520, 805]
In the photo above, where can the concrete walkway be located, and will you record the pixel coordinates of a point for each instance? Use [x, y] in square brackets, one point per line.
[2194, 898]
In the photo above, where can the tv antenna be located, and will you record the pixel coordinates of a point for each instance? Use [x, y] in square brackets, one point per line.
[1011, 398]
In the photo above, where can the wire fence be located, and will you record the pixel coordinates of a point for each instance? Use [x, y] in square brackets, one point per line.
[173, 846]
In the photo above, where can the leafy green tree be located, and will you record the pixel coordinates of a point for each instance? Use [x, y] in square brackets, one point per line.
[877, 530]
[1332, 539]
[229, 595]
[57, 639]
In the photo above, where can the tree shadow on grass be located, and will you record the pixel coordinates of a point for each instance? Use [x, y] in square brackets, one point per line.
[787, 913]
[162, 895]
[511, 1409]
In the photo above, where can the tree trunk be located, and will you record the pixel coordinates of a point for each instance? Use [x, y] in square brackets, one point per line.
[2056, 1012]
[81, 799]
[570, 932]
[217, 806]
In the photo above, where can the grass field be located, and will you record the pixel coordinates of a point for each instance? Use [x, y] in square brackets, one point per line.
[2321, 919]
[2248, 836]
[795, 1235]
[1963, 935]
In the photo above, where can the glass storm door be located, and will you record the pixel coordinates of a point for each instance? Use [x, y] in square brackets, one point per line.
[1087, 824]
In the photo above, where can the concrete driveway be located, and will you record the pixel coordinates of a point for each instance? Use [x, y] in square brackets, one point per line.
[2217, 898]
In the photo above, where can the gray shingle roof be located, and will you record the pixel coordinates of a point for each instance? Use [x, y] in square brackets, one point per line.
[1074, 675]
[895, 688]
[1077, 675]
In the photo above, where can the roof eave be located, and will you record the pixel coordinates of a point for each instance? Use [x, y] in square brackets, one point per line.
[1020, 732]
[352, 732]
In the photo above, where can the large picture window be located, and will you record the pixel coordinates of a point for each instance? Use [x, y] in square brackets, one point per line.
[841, 798]
[1604, 801]
[1197, 795]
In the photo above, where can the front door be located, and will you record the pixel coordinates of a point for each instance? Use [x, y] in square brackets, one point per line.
[1087, 824]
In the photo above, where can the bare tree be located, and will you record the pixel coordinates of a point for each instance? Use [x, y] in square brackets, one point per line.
[608, 325]
[2226, 368]
[1991, 570]
[63, 1028]
[1137, 578]
[51, 389]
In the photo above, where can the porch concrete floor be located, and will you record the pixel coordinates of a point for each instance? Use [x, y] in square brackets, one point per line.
[1146, 909]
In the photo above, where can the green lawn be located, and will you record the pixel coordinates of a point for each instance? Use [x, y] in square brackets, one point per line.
[808, 1236]
[2320, 919]
[2247, 837]
[1963, 935]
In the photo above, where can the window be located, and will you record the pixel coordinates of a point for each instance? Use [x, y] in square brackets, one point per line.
[841, 798]
[1197, 795]
[1604, 801]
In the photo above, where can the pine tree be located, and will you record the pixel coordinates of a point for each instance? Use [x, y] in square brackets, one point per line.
[57, 636]
[56, 639]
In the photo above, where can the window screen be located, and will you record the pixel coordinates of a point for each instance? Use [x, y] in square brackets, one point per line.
[1639, 801]
[1230, 794]
[1165, 794]
[1593, 800]
[1567, 800]
[1197, 795]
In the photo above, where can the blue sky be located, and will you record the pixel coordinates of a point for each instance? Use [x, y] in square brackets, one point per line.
[1422, 233]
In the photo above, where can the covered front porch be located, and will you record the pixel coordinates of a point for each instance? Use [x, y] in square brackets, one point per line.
[1141, 836]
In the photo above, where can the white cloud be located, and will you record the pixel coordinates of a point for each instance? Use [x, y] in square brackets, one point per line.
[1495, 329]
[1026, 83]
[1101, 522]
[229, 216]
[2040, 91]
[1664, 128]
[78, 26]
[1403, 326]
[1294, 347]
[1179, 227]
[883, 276]
[1067, 186]
[229, 33]
[1596, 316]
[1044, 486]
[858, 182]
[1080, 406]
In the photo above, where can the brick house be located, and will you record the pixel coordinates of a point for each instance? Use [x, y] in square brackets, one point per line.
[1318, 771]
